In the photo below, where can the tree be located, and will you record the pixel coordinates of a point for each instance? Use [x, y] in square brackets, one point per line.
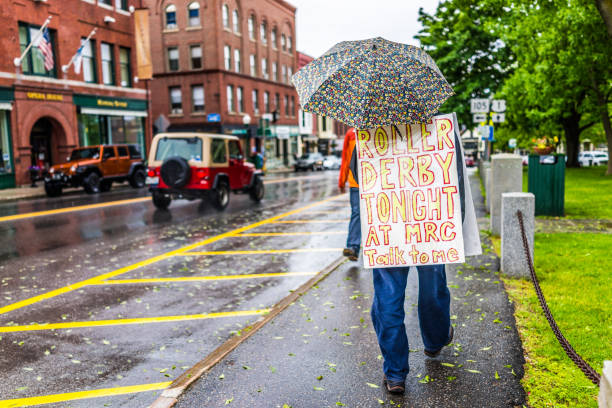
[605, 9]
[472, 58]
[563, 78]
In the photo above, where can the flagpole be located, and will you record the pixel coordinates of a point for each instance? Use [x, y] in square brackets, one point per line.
[17, 61]
[67, 66]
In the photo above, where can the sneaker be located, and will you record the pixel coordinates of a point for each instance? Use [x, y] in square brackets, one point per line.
[350, 253]
[394, 387]
[436, 353]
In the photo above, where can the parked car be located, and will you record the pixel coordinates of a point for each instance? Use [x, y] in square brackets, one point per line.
[592, 158]
[310, 161]
[95, 168]
[469, 162]
[200, 166]
[331, 162]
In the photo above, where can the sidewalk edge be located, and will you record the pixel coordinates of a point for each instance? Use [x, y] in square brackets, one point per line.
[170, 395]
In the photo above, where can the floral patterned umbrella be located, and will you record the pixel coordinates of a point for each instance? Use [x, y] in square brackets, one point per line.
[372, 83]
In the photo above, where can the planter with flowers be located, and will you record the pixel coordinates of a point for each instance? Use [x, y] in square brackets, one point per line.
[544, 145]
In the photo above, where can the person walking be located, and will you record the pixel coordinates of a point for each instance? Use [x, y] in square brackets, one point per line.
[348, 172]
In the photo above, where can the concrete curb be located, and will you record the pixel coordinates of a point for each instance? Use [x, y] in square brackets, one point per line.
[171, 394]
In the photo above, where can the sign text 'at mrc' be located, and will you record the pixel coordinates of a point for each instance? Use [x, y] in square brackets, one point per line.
[45, 96]
[409, 194]
[111, 104]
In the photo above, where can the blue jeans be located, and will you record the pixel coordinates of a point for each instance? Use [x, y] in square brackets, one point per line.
[388, 314]
[353, 241]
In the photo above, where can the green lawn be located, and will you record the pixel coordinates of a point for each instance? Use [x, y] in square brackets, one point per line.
[574, 273]
[588, 192]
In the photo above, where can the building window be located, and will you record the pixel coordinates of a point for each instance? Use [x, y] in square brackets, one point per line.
[264, 68]
[173, 59]
[108, 64]
[293, 106]
[34, 62]
[289, 44]
[176, 100]
[240, 98]
[121, 4]
[277, 106]
[230, 98]
[267, 101]
[237, 60]
[283, 42]
[251, 24]
[89, 61]
[263, 33]
[274, 71]
[124, 67]
[105, 2]
[196, 56]
[273, 38]
[193, 12]
[236, 22]
[284, 74]
[171, 17]
[227, 57]
[226, 22]
[197, 98]
[286, 105]
[323, 124]
[255, 101]
[289, 74]
[253, 64]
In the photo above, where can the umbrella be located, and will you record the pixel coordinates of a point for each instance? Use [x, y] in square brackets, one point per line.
[372, 83]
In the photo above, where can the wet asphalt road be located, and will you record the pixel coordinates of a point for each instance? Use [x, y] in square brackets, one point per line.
[65, 327]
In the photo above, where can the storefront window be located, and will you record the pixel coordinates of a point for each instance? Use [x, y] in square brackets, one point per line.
[5, 148]
[103, 129]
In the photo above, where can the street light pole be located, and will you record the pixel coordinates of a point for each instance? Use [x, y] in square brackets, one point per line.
[246, 121]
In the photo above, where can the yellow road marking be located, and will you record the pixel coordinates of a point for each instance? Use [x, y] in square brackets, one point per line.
[71, 209]
[259, 251]
[71, 396]
[275, 234]
[123, 322]
[204, 278]
[115, 203]
[323, 212]
[109, 275]
[307, 221]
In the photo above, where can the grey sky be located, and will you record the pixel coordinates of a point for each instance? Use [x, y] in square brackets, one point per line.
[322, 23]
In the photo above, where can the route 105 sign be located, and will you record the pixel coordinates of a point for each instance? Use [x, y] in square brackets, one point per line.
[480, 105]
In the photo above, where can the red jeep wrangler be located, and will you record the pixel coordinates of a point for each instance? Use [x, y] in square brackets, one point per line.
[200, 165]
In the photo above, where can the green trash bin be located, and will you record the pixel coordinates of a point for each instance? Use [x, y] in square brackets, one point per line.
[546, 180]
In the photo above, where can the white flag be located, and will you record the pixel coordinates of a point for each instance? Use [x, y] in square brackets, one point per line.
[78, 60]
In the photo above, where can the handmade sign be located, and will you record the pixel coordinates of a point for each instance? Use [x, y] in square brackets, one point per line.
[409, 194]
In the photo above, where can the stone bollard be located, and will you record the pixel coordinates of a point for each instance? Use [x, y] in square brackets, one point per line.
[487, 186]
[605, 386]
[506, 177]
[513, 260]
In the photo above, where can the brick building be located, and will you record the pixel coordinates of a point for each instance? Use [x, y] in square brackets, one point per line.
[216, 62]
[44, 114]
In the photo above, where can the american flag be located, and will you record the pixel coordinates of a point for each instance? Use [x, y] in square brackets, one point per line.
[46, 49]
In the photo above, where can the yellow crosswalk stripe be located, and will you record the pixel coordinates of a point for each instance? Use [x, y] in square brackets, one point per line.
[309, 221]
[280, 234]
[72, 396]
[123, 322]
[205, 278]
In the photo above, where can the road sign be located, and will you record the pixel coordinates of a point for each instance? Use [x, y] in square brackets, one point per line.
[498, 105]
[479, 105]
[486, 132]
[479, 117]
[213, 117]
[512, 143]
[498, 117]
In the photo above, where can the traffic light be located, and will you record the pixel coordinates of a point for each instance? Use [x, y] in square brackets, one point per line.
[274, 116]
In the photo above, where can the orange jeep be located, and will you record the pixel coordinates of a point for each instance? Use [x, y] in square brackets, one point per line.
[200, 165]
[96, 167]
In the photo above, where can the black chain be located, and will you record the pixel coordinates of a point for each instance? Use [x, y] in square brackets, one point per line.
[590, 373]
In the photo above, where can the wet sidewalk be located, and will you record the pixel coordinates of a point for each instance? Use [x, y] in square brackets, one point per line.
[322, 351]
